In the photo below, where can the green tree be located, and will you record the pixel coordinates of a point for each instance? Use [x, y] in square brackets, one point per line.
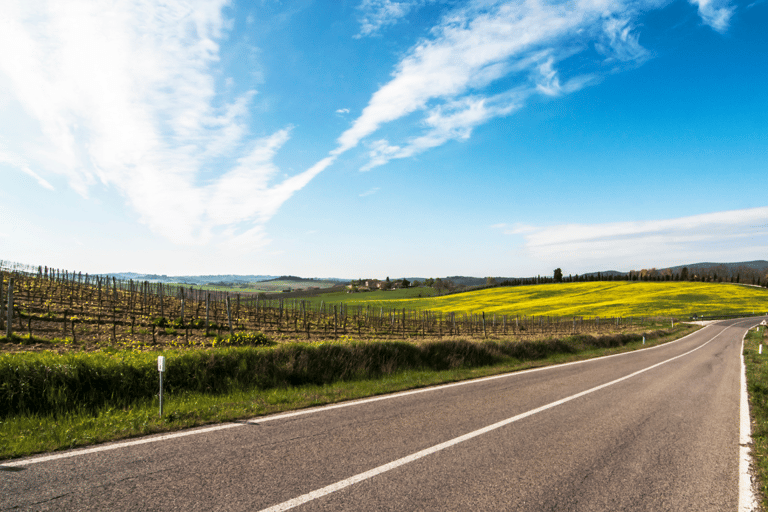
[558, 275]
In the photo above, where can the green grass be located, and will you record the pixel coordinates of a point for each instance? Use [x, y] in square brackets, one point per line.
[376, 298]
[247, 288]
[302, 375]
[757, 387]
[604, 299]
[273, 286]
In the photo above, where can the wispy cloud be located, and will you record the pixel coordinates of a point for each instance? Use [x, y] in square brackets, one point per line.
[20, 164]
[378, 14]
[370, 192]
[684, 239]
[473, 47]
[124, 94]
[40, 181]
[715, 13]
[621, 41]
[525, 42]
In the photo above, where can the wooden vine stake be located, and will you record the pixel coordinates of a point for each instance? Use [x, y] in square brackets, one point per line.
[9, 323]
[182, 307]
[229, 317]
[207, 311]
[2, 324]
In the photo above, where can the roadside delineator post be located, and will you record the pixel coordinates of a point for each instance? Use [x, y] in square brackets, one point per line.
[643, 340]
[161, 369]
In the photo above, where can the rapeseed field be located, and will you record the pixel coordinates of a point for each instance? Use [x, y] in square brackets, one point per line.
[603, 299]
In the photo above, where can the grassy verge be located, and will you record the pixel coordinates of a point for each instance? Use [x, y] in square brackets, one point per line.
[374, 298]
[757, 388]
[28, 431]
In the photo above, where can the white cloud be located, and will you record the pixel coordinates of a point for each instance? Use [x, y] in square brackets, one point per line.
[715, 13]
[707, 237]
[123, 93]
[381, 153]
[19, 163]
[524, 42]
[449, 121]
[621, 42]
[471, 48]
[343, 111]
[369, 192]
[377, 14]
[40, 181]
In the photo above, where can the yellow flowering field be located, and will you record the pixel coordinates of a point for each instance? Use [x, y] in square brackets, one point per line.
[604, 299]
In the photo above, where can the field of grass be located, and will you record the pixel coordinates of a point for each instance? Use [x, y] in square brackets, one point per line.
[757, 387]
[603, 299]
[50, 401]
[245, 288]
[271, 286]
[373, 298]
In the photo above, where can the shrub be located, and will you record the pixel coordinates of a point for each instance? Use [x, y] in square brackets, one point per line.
[45, 382]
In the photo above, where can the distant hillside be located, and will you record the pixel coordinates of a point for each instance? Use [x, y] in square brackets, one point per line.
[466, 280]
[606, 273]
[758, 265]
[749, 272]
[305, 279]
[197, 280]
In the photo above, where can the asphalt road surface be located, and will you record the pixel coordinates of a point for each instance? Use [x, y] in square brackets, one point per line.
[656, 429]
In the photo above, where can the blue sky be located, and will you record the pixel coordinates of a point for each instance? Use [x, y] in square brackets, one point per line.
[374, 138]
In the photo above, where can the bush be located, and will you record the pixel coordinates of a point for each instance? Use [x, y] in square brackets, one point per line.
[45, 382]
[255, 339]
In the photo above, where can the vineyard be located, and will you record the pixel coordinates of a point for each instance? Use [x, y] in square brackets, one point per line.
[78, 359]
[82, 311]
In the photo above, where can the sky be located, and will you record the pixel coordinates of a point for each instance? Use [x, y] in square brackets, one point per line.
[373, 138]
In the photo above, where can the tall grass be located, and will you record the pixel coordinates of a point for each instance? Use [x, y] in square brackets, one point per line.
[48, 383]
[757, 388]
[80, 399]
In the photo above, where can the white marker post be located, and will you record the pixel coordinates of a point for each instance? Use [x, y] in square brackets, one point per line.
[161, 369]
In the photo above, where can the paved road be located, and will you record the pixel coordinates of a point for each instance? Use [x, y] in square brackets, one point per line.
[656, 429]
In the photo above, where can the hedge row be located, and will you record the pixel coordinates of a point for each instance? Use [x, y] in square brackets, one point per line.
[51, 383]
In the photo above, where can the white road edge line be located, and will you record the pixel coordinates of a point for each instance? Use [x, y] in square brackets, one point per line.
[313, 410]
[295, 502]
[747, 499]
[122, 444]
